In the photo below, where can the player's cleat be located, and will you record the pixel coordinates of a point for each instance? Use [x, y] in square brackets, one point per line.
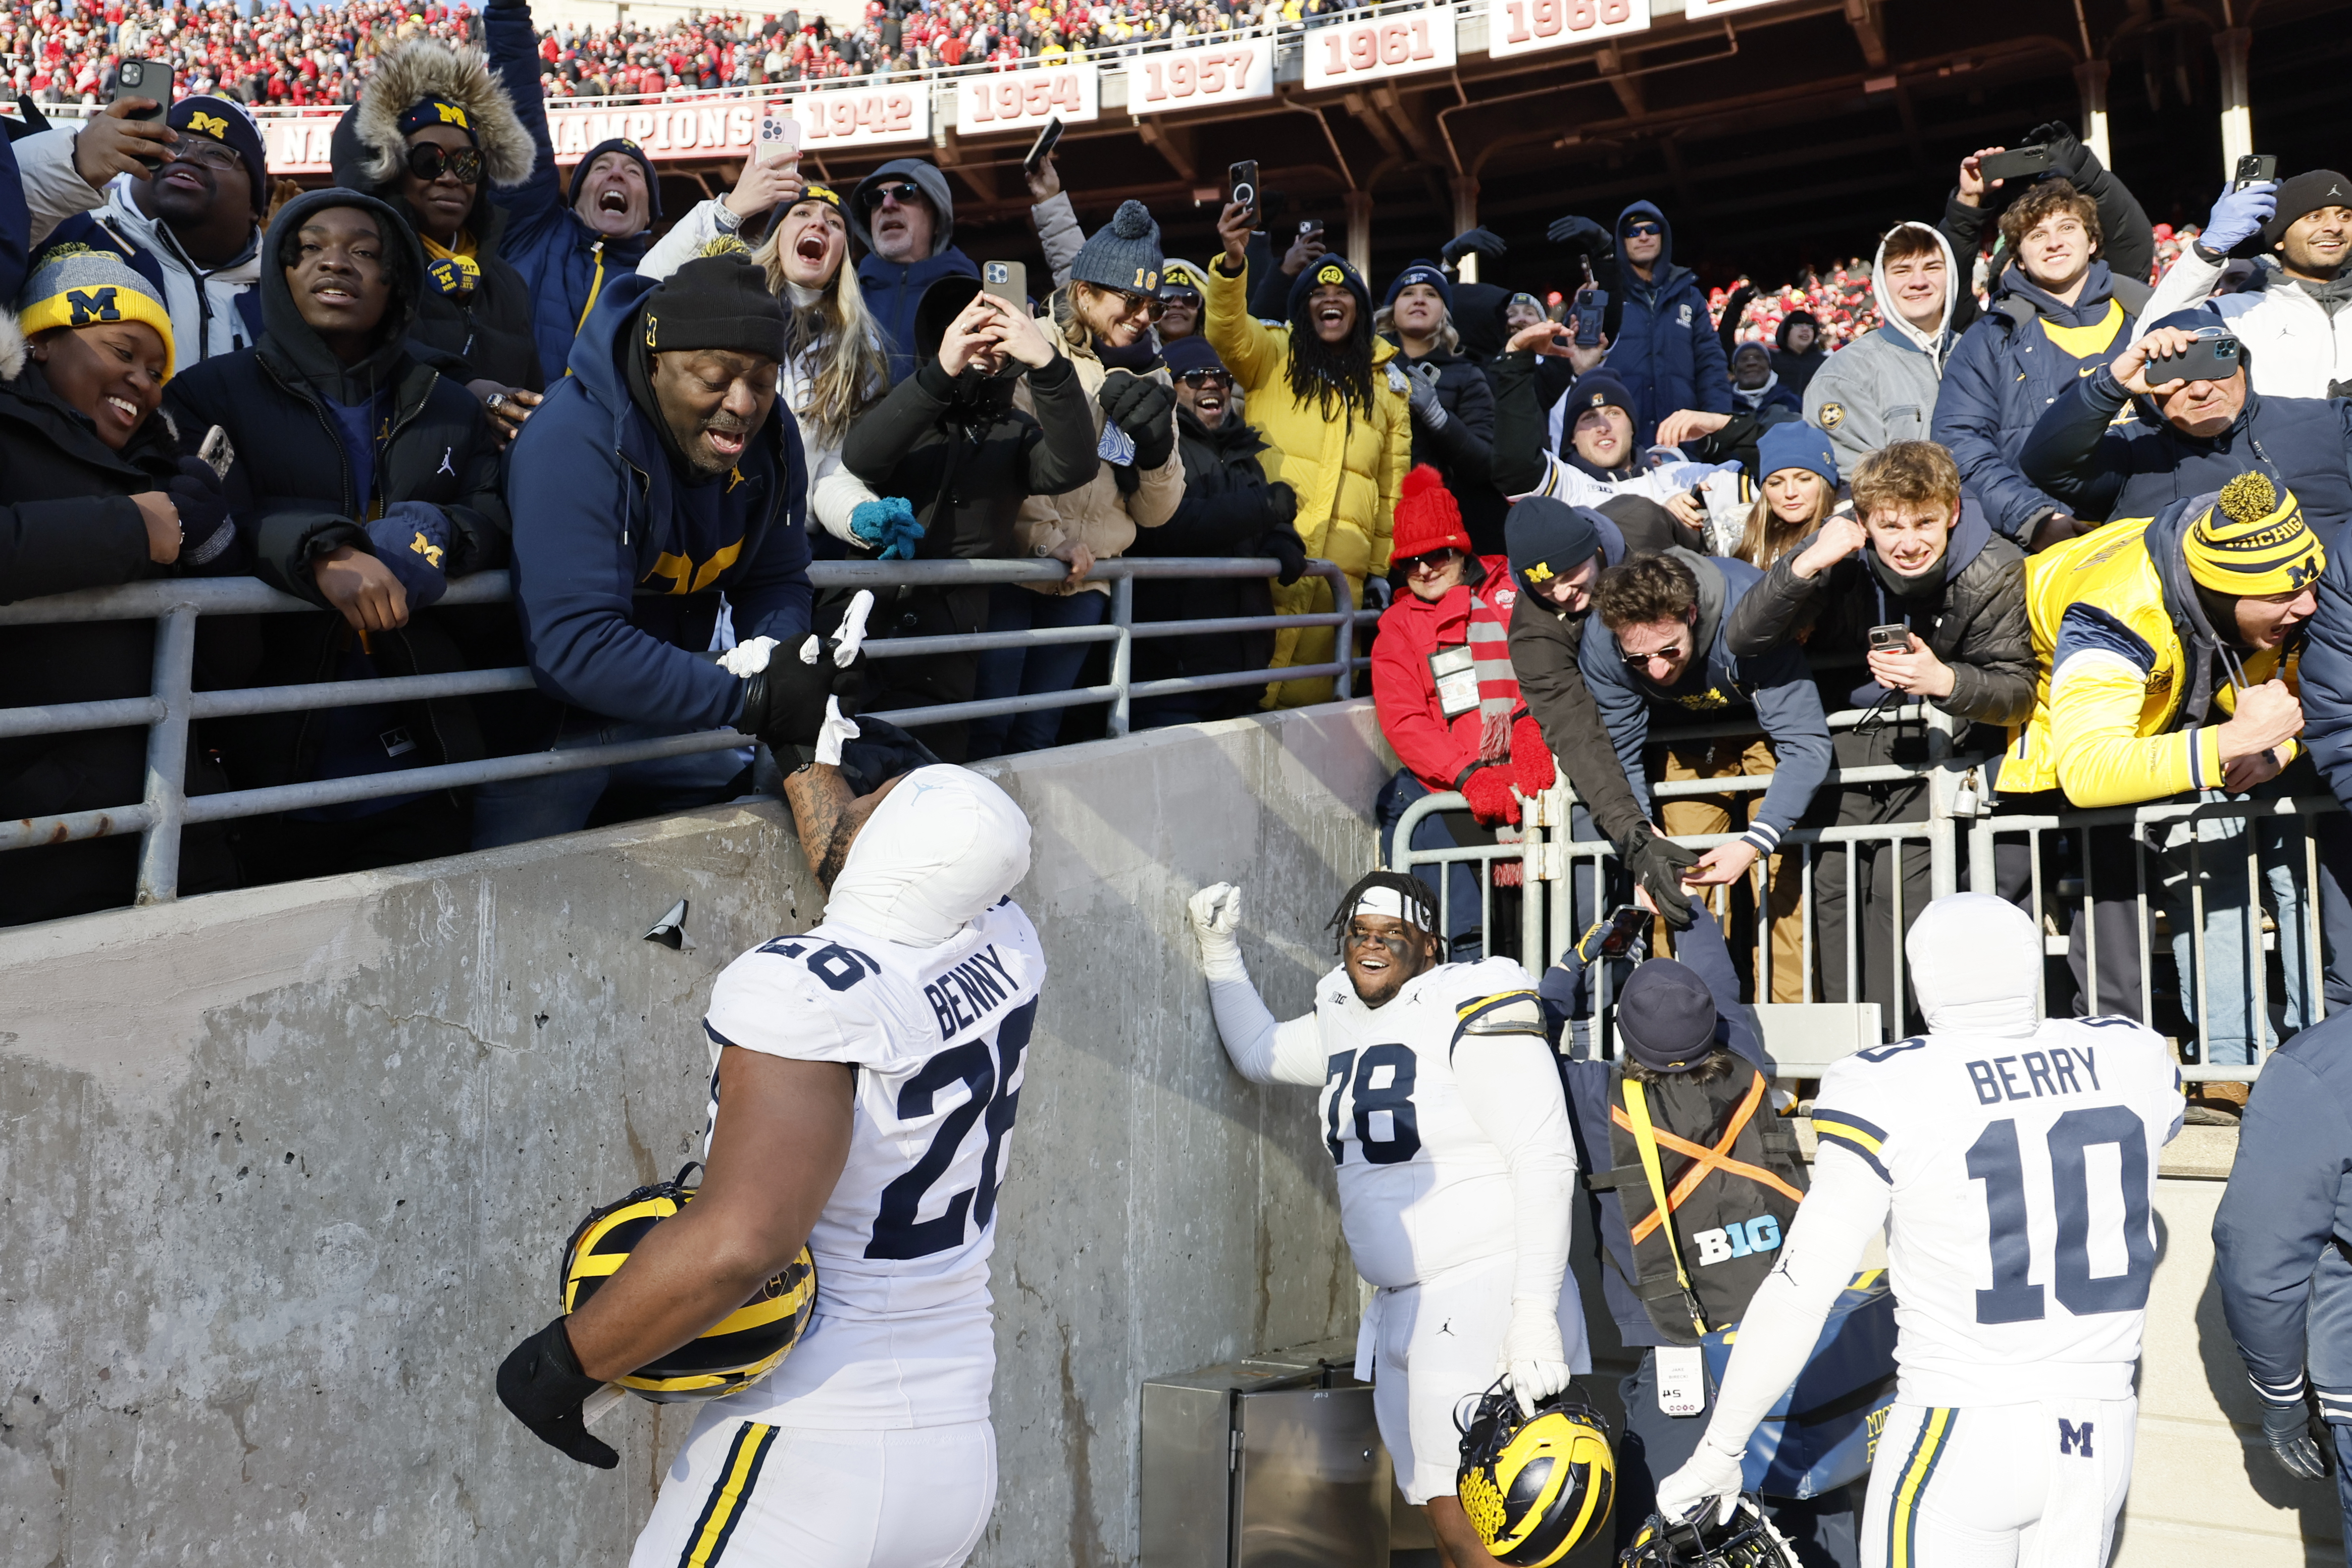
[725, 1358]
[1745, 1540]
[1535, 1489]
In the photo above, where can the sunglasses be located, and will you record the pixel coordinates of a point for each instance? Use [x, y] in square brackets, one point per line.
[211, 154]
[1435, 560]
[904, 192]
[1223, 380]
[1150, 307]
[1639, 663]
[430, 160]
[1638, 231]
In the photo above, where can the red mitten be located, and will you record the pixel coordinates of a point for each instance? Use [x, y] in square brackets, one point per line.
[1488, 792]
[1531, 765]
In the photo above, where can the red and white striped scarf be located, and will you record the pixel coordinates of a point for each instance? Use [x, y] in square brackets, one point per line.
[1498, 684]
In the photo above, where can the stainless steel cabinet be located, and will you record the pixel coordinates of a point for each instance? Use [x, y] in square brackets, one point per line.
[1270, 1462]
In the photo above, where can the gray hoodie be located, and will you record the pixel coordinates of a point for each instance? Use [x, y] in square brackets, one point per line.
[1882, 387]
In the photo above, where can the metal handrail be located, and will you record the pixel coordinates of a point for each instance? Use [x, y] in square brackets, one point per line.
[175, 605]
[1548, 852]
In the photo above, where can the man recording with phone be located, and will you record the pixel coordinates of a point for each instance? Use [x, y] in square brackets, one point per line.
[2197, 425]
[1917, 589]
[2291, 314]
[191, 225]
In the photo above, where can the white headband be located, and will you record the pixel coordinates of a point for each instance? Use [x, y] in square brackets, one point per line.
[1385, 901]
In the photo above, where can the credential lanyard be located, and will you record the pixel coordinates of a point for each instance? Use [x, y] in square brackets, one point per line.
[1637, 1110]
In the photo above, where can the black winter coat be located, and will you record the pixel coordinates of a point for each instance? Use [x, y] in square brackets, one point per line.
[68, 524]
[298, 500]
[1228, 509]
[965, 458]
[489, 329]
[1462, 450]
[1975, 623]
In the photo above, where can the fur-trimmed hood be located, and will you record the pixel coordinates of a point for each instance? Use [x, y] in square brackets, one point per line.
[423, 68]
[14, 349]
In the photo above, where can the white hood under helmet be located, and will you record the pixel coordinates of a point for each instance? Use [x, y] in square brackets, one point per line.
[1933, 346]
[1976, 966]
[945, 845]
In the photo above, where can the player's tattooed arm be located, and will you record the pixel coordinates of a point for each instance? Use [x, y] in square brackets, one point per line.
[827, 815]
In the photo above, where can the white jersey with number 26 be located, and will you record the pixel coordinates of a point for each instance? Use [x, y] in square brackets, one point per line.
[2023, 1169]
[904, 1334]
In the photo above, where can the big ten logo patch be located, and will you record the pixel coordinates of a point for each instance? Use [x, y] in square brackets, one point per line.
[1738, 1239]
[1876, 1423]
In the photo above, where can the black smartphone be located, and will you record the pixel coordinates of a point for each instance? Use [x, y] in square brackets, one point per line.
[2017, 163]
[1592, 306]
[1625, 924]
[1310, 226]
[2254, 168]
[2215, 359]
[148, 79]
[1241, 185]
[1043, 148]
[1890, 639]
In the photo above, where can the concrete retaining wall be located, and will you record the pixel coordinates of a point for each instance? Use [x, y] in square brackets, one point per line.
[285, 1172]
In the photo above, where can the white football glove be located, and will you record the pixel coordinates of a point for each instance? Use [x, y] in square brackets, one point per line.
[1710, 1475]
[1216, 910]
[852, 637]
[832, 732]
[745, 659]
[1531, 1355]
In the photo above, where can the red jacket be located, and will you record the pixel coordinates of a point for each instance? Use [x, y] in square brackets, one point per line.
[1405, 691]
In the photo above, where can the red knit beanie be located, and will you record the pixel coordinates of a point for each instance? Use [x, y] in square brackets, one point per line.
[1426, 518]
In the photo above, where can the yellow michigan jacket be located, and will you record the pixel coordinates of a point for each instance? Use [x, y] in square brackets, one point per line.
[2111, 613]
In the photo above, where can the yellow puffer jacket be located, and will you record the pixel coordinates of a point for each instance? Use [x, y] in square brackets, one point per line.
[2112, 678]
[1346, 471]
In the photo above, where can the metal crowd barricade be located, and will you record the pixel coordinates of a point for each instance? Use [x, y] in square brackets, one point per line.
[172, 705]
[2292, 816]
[1959, 831]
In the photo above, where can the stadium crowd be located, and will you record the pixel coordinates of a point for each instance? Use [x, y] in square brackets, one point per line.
[1547, 487]
[2077, 485]
[66, 51]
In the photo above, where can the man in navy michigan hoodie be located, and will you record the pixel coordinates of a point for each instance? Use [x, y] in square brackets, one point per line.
[657, 471]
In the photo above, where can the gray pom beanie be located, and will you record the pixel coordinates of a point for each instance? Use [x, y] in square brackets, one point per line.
[1122, 254]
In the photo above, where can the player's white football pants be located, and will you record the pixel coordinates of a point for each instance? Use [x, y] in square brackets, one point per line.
[744, 1494]
[1429, 1346]
[1998, 1486]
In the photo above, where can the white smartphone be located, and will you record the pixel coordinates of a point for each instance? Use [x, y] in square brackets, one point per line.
[780, 136]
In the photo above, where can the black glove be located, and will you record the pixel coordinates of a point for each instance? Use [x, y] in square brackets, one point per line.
[1658, 865]
[784, 704]
[1285, 547]
[205, 531]
[1281, 505]
[2068, 156]
[2287, 1429]
[541, 1382]
[1581, 234]
[1486, 242]
[1145, 410]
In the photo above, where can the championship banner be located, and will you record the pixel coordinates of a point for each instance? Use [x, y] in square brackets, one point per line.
[991, 101]
[1200, 75]
[1526, 27]
[1394, 45]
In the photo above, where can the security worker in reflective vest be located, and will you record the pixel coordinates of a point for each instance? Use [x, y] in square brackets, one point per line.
[1690, 1084]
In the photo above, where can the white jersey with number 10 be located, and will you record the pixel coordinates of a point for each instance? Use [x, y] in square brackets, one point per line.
[2023, 1172]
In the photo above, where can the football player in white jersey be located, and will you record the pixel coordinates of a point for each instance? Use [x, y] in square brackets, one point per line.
[1446, 1119]
[865, 1078]
[2012, 1160]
